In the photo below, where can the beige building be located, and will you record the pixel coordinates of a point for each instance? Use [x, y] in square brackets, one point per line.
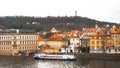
[115, 36]
[57, 41]
[17, 41]
[52, 44]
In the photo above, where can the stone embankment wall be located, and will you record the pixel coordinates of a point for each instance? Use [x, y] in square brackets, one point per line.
[99, 56]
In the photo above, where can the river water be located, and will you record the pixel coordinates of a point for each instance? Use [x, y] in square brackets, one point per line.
[30, 62]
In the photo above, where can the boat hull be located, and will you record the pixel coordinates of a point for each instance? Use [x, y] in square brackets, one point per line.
[37, 58]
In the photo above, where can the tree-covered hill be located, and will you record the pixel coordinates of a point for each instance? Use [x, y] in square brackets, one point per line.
[46, 23]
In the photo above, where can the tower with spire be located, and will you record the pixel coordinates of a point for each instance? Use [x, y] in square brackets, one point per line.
[75, 13]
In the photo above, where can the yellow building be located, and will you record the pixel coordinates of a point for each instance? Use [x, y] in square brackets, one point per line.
[115, 36]
[16, 41]
[57, 41]
[97, 39]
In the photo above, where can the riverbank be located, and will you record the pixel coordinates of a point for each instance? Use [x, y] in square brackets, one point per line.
[98, 56]
[114, 56]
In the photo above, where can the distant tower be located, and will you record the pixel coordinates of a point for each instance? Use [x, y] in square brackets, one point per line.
[75, 13]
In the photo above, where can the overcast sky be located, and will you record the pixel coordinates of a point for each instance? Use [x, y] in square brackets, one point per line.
[103, 10]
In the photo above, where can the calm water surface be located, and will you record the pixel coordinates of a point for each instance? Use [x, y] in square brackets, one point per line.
[29, 62]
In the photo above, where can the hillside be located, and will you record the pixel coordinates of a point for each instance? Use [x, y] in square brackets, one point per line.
[46, 23]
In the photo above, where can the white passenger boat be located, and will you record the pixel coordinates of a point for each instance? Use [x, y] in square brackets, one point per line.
[54, 56]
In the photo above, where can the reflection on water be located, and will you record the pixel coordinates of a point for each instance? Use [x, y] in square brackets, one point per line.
[55, 64]
[29, 62]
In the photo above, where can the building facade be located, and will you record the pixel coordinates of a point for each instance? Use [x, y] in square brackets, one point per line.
[115, 38]
[57, 41]
[16, 41]
[73, 40]
[97, 40]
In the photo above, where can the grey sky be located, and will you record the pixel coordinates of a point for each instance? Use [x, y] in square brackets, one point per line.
[103, 10]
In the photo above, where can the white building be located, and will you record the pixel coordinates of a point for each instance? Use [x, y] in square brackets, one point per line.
[73, 41]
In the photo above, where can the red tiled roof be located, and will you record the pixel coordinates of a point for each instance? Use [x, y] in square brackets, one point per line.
[98, 32]
[40, 38]
[56, 37]
[89, 30]
[72, 34]
[115, 30]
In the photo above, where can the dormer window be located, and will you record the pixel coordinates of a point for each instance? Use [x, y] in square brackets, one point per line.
[98, 33]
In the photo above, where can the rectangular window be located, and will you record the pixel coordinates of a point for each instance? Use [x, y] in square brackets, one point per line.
[71, 43]
[92, 47]
[77, 43]
[97, 47]
[92, 42]
[115, 36]
[97, 42]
